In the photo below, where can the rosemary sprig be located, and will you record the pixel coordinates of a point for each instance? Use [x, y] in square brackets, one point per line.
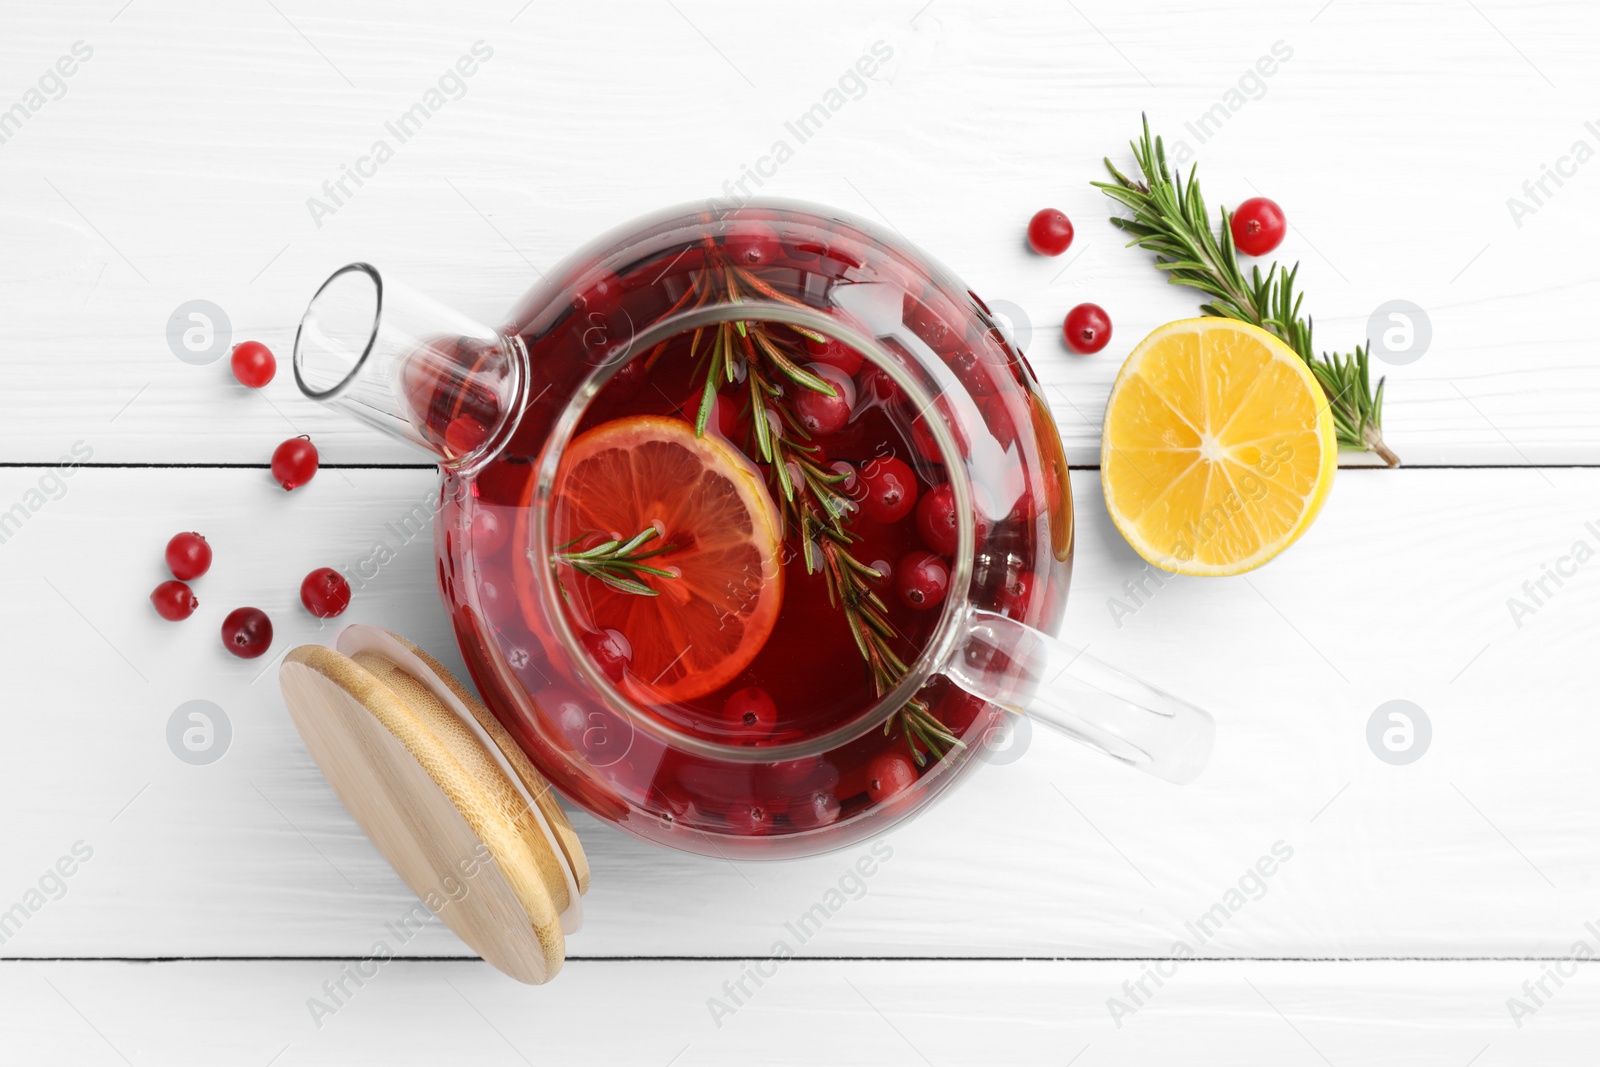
[617, 563]
[810, 494]
[1171, 220]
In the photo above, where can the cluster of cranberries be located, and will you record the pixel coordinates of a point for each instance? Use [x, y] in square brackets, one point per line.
[1257, 227]
[247, 632]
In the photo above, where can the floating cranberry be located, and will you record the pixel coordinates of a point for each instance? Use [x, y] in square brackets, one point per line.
[876, 383]
[921, 580]
[1087, 329]
[174, 601]
[1049, 232]
[889, 775]
[489, 530]
[789, 776]
[753, 245]
[253, 364]
[820, 413]
[814, 809]
[325, 593]
[971, 371]
[604, 738]
[463, 435]
[835, 354]
[937, 520]
[294, 463]
[677, 806]
[891, 489]
[922, 438]
[1258, 226]
[247, 632]
[188, 556]
[997, 416]
[934, 320]
[610, 651]
[562, 708]
[496, 597]
[599, 295]
[1016, 594]
[750, 818]
[750, 713]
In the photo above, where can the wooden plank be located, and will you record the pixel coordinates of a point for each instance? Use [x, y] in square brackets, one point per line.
[180, 162]
[1484, 847]
[1401, 1013]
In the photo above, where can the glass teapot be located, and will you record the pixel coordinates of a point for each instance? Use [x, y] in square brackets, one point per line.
[753, 525]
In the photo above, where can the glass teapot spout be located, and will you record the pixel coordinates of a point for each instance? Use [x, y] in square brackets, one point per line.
[406, 364]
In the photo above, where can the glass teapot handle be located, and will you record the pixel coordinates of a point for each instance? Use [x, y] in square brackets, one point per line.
[1031, 673]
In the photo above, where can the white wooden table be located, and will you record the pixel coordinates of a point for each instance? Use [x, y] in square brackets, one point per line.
[175, 164]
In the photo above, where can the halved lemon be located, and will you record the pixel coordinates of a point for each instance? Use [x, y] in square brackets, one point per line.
[1218, 449]
[722, 539]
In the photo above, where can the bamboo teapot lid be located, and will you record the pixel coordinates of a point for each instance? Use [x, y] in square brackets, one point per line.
[444, 793]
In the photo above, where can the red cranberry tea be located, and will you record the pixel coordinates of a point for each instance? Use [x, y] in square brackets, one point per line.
[751, 532]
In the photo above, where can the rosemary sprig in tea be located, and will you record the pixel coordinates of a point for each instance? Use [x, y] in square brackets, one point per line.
[618, 564]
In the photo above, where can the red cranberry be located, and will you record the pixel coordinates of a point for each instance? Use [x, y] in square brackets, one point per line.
[497, 599]
[888, 775]
[750, 818]
[678, 807]
[188, 556]
[750, 713]
[789, 776]
[934, 321]
[294, 463]
[937, 520]
[605, 738]
[997, 416]
[1049, 232]
[1258, 226]
[253, 364]
[489, 531]
[325, 593]
[814, 809]
[565, 711]
[876, 383]
[723, 420]
[820, 413]
[1087, 329]
[921, 580]
[1015, 595]
[463, 435]
[835, 354]
[599, 295]
[971, 372]
[753, 245]
[891, 489]
[610, 651]
[247, 632]
[174, 601]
